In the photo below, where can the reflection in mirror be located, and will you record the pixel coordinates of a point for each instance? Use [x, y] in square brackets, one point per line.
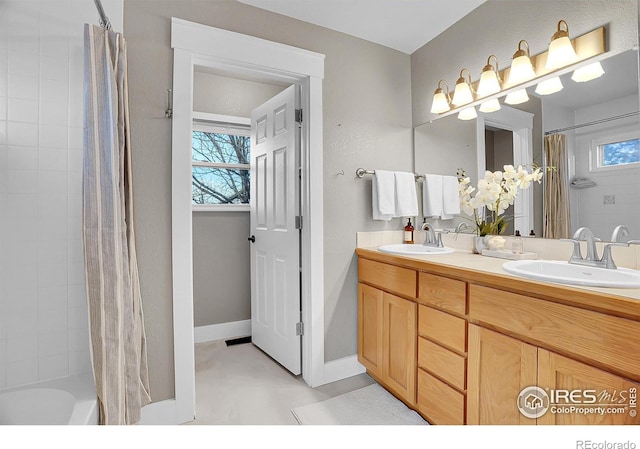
[441, 148]
[601, 125]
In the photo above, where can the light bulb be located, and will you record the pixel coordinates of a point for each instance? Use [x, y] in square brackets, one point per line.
[489, 84]
[467, 114]
[521, 70]
[440, 103]
[550, 86]
[517, 97]
[489, 80]
[561, 52]
[521, 67]
[490, 106]
[588, 73]
[462, 93]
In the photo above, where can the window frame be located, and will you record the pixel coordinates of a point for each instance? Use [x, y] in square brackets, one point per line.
[596, 154]
[220, 124]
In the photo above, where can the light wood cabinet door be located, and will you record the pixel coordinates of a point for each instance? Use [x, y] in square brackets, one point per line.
[370, 310]
[499, 367]
[399, 333]
[599, 397]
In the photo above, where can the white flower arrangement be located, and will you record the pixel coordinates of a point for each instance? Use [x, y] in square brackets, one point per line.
[496, 191]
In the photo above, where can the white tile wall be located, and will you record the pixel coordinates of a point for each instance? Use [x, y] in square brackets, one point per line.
[43, 313]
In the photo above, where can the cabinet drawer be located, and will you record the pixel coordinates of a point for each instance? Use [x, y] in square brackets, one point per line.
[599, 338]
[441, 362]
[438, 402]
[443, 328]
[388, 277]
[445, 293]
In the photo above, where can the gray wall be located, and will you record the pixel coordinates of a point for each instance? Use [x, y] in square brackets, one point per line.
[367, 123]
[221, 258]
[221, 268]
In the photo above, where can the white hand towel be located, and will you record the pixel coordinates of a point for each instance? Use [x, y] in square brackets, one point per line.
[450, 197]
[383, 195]
[406, 195]
[432, 196]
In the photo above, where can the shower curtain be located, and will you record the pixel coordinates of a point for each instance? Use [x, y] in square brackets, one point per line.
[118, 343]
[557, 210]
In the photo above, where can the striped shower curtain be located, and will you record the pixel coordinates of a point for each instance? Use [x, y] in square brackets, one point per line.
[557, 209]
[118, 343]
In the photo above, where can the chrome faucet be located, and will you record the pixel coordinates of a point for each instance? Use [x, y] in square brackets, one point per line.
[462, 226]
[592, 260]
[433, 238]
[587, 235]
[619, 231]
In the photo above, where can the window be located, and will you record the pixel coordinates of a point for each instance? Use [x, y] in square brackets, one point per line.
[615, 153]
[221, 162]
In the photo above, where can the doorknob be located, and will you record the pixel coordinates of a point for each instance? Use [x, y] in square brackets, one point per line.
[252, 239]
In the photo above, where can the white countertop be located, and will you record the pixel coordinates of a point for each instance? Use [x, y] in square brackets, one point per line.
[493, 265]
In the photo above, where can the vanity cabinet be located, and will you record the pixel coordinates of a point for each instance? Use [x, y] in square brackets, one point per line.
[502, 364]
[387, 327]
[460, 345]
[562, 373]
[499, 368]
[442, 349]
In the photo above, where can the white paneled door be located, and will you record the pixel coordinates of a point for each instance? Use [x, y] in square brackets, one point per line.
[275, 237]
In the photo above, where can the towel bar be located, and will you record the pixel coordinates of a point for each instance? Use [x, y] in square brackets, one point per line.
[361, 172]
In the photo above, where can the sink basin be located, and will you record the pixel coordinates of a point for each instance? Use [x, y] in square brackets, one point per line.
[572, 274]
[414, 250]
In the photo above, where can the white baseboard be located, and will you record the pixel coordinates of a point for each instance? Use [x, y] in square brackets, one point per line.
[342, 368]
[161, 413]
[222, 331]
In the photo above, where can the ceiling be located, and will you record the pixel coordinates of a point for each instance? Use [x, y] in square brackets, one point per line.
[404, 25]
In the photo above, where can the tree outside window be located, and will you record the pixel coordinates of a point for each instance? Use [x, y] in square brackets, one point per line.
[220, 164]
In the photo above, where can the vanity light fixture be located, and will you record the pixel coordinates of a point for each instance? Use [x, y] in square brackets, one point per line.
[561, 52]
[525, 71]
[462, 93]
[490, 105]
[441, 100]
[550, 86]
[588, 73]
[467, 113]
[517, 97]
[521, 67]
[490, 79]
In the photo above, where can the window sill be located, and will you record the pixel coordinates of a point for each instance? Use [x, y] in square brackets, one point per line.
[220, 208]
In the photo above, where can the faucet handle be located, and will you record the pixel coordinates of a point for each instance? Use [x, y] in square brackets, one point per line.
[610, 244]
[607, 258]
[577, 254]
[439, 237]
[633, 242]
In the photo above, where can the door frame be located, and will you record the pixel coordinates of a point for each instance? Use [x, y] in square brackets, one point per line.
[521, 124]
[241, 55]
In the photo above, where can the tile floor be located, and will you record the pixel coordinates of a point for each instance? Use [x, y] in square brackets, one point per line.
[240, 384]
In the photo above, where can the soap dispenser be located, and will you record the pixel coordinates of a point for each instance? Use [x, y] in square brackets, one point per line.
[408, 232]
[516, 245]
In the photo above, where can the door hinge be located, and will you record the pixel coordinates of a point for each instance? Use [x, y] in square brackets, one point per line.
[300, 328]
[298, 222]
[299, 115]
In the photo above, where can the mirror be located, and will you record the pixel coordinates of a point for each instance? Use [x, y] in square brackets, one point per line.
[589, 114]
